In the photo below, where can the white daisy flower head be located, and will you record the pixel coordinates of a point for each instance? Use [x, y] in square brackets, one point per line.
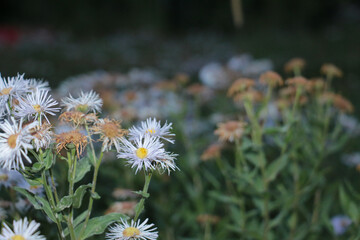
[86, 102]
[152, 127]
[12, 88]
[132, 231]
[167, 163]
[22, 230]
[36, 105]
[142, 153]
[15, 140]
[43, 136]
[37, 85]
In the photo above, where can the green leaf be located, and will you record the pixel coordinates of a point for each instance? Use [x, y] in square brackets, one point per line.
[79, 219]
[141, 193]
[83, 167]
[36, 167]
[95, 195]
[98, 225]
[48, 159]
[79, 194]
[275, 167]
[65, 202]
[46, 208]
[29, 196]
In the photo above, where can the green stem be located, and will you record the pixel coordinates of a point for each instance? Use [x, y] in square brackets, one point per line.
[93, 188]
[72, 169]
[140, 205]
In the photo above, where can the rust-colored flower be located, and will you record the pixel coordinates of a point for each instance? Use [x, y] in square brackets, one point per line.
[297, 81]
[167, 85]
[295, 64]
[71, 139]
[126, 207]
[213, 151]
[316, 85]
[331, 70]
[196, 89]
[121, 193]
[181, 78]
[230, 131]
[287, 92]
[110, 132]
[77, 118]
[249, 95]
[271, 78]
[338, 101]
[240, 85]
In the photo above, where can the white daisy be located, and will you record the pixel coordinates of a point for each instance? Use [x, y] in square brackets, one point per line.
[145, 152]
[14, 142]
[154, 128]
[37, 85]
[22, 230]
[133, 231]
[12, 87]
[86, 102]
[167, 163]
[36, 105]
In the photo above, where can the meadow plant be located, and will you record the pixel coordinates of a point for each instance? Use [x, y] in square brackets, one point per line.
[31, 155]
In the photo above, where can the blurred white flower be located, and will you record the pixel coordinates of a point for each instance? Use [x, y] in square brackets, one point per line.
[215, 76]
[340, 224]
[132, 231]
[10, 178]
[37, 85]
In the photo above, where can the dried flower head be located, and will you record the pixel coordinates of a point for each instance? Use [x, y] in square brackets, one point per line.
[230, 131]
[297, 81]
[78, 118]
[42, 136]
[295, 64]
[110, 132]
[196, 89]
[72, 139]
[271, 78]
[240, 85]
[213, 151]
[338, 101]
[287, 92]
[120, 193]
[250, 95]
[125, 207]
[316, 85]
[331, 70]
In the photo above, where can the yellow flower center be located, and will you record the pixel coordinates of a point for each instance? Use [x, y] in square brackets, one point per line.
[82, 108]
[131, 232]
[37, 107]
[4, 177]
[6, 91]
[17, 237]
[151, 131]
[35, 187]
[141, 153]
[12, 140]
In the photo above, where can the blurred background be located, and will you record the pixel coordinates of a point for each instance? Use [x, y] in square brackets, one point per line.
[56, 40]
[149, 41]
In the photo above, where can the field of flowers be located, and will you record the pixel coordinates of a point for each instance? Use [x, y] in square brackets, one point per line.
[193, 149]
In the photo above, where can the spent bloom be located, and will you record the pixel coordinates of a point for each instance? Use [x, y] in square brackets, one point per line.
[132, 231]
[36, 105]
[230, 131]
[14, 142]
[22, 230]
[86, 102]
[144, 152]
[153, 128]
[271, 78]
[295, 64]
[110, 132]
[72, 138]
[212, 152]
[42, 136]
[331, 70]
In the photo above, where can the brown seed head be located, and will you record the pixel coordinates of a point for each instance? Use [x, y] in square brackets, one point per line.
[297, 81]
[213, 151]
[230, 131]
[77, 117]
[331, 70]
[240, 85]
[73, 138]
[294, 64]
[271, 78]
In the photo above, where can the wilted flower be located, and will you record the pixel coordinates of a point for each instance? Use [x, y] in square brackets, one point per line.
[120, 193]
[110, 132]
[240, 85]
[153, 128]
[78, 118]
[15, 140]
[230, 131]
[295, 64]
[132, 231]
[331, 70]
[340, 224]
[22, 230]
[86, 102]
[297, 81]
[338, 101]
[126, 207]
[271, 78]
[36, 105]
[251, 95]
[71, 139]
[213, 151]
